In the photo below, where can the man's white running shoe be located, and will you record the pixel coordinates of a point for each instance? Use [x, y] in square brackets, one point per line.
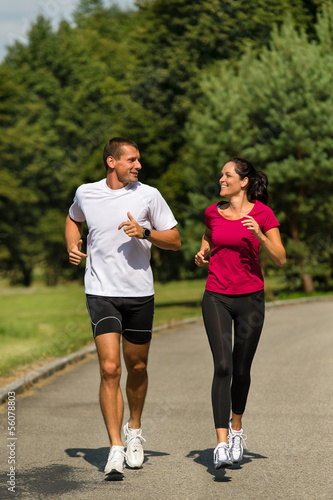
[134, 451]
[222, 456]
[116, 461]
[236, 442]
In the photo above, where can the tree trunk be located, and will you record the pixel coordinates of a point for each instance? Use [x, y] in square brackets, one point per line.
[26, 276]
[308, 283]
[307, 280]
[51, 276]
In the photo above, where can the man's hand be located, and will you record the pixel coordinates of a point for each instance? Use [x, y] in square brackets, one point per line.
[131, 227]
[168, 239]
[75, 254]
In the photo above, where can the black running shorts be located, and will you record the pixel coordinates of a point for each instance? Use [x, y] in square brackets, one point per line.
[130, 316]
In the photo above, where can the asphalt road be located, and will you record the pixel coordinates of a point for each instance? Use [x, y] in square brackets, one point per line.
[61, 446]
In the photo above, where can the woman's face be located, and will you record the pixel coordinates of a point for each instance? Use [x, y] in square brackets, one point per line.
[230, 182]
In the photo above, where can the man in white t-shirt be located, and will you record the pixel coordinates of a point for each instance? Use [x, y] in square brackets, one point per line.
[124, 218]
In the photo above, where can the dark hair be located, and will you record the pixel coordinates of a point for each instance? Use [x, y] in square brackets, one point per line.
[114, 147]
[258, 182]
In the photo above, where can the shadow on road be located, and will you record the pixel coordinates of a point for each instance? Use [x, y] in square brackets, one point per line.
[42, 482]
[205, 458]
[98, 457]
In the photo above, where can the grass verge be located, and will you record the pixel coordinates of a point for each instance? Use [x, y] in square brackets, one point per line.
[43, 323]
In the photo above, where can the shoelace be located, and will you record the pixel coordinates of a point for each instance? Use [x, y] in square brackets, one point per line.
[138, 439]
[221, 449]
[236, 443]
[113, 453]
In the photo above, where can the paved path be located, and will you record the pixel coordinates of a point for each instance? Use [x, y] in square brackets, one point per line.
[61, 445]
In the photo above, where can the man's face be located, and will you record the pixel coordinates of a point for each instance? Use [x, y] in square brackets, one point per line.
[128, 166]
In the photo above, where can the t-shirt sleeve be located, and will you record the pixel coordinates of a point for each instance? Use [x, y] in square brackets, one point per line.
[269, 220]
[75, 210]
[161, 215]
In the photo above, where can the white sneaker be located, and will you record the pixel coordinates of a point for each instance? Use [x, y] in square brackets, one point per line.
[134, 451]
[116, 461]
[222, 456]
[236, 442]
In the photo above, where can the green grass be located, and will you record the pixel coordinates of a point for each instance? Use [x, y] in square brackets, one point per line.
[42, 323]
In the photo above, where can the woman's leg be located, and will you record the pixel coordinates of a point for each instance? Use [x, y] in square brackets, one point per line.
[249, 313]
[218, 324]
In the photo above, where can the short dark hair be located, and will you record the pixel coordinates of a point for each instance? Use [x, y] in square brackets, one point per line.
[114, 147]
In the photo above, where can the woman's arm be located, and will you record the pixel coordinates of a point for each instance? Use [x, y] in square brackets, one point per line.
[206, 246]
[271, 240]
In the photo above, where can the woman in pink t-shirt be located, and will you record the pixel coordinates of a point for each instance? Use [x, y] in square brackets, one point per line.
[234, 294]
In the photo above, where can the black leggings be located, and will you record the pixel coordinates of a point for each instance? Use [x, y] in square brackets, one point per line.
[232, 363]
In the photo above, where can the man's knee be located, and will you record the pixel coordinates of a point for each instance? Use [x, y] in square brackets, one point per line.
[138, 368]
[110, 371]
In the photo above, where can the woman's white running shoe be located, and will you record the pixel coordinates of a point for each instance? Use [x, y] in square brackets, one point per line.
[222, 456]
[236, 442]
[134, 450]
[116, 461]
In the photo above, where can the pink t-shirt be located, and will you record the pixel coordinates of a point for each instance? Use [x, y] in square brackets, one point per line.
[234, 265]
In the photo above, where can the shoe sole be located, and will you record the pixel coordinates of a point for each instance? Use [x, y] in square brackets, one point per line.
[113, 472]
[223, 465]
[132, 465]
[236, 461]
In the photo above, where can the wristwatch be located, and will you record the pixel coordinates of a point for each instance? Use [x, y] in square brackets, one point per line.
[146, 233]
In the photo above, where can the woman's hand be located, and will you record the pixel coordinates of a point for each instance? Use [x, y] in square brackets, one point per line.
[206, 245]
[200, 259]
[271, 240]
[253, 226]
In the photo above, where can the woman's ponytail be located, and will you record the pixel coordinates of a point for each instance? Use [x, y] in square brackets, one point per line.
[258, 188]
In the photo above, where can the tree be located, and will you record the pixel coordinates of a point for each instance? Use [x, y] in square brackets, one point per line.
[175, 42]
[177, 39]
[276, 111]
[64, 95]
[131, 73]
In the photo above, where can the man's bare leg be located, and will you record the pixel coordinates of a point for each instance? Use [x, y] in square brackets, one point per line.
[136, 359]
[111, 399]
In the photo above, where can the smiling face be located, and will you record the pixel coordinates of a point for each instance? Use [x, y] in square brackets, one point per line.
[230, 182]
[126, 169]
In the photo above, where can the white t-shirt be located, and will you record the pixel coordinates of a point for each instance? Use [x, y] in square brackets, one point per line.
[119, 265]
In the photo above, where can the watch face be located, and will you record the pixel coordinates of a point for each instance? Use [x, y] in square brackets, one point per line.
[146, 233]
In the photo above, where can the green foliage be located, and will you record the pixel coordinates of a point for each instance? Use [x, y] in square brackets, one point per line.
[61, 104]
[177, 39]
[275, 110]
[141, 74]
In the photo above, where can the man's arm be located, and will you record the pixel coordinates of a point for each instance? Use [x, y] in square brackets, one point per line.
[167, 240]
[73, 232]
